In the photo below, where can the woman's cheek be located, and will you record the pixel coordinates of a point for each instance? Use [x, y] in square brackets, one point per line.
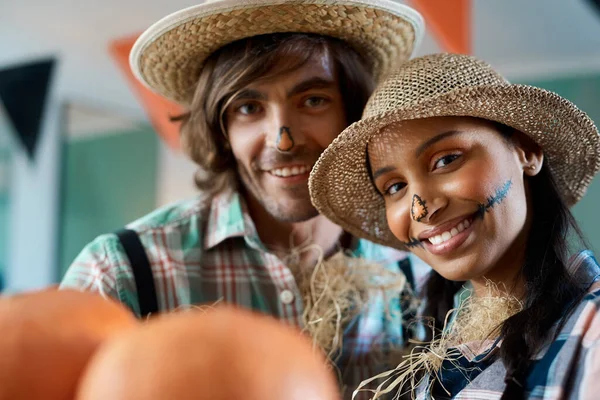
[473, 183]
[396, 214]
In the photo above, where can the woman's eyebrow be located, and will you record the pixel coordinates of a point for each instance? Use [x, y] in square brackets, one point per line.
[430, 142]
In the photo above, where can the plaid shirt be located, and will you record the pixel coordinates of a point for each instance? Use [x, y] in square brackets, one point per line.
[567, 367]
[203, 251]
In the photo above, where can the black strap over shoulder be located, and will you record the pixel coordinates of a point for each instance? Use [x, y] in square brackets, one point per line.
[144, 281]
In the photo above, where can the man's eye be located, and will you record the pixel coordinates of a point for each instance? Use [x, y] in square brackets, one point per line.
[314, 101]
[248, 108]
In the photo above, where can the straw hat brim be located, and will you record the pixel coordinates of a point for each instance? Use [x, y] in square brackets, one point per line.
[168, 56]
[342, 190]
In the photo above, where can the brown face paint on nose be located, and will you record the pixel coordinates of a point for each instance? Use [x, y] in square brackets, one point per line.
[285, 141]
[418, 210]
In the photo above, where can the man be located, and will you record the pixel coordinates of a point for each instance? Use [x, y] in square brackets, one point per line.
[269, 85]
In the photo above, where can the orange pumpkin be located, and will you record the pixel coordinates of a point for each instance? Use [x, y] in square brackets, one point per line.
[47, 338]
[221, 354]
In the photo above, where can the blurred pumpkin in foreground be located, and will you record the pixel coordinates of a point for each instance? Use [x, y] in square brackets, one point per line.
[47, 338]
[220, 354]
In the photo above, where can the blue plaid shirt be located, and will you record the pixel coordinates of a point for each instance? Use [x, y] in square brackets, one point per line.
[567, 367]
[207, 250]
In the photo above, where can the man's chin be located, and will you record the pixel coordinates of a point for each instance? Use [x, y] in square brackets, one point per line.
[290, 206]
[295, 216]
[291, 212]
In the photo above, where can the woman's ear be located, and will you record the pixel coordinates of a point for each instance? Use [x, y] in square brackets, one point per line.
[530, 155]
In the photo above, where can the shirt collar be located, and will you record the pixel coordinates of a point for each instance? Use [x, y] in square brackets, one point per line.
[228, 218]
[584, 268]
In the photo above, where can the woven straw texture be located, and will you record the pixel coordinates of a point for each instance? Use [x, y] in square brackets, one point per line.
[170, 55]
[450, 85]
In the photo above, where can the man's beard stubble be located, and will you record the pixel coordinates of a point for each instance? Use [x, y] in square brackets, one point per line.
[288, 213]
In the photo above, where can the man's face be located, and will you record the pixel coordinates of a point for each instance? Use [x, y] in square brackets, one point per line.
[278, 129]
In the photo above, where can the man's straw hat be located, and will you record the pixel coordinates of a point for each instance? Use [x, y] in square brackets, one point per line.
[169, 56]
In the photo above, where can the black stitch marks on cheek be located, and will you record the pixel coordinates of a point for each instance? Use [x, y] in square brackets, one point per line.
[414, 242]
[418, 209]
[497, 198]
[480, 211]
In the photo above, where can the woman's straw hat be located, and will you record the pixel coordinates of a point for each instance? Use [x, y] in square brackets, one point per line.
[169, 56]
[449, 85]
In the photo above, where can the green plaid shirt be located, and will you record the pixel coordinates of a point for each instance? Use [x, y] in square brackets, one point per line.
[203, 251]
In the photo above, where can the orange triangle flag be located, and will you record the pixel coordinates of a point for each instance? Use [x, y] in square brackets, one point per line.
[158, 108]
[450, 22]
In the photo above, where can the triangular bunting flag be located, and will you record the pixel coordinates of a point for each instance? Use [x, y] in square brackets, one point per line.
[595, 4]
[450, 22]
[23, 91]
[159, 109]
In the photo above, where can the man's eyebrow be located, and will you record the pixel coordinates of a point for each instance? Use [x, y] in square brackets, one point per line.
[311, 83]
[250, 94]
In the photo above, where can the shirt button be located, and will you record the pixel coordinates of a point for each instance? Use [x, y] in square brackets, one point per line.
[286, 296]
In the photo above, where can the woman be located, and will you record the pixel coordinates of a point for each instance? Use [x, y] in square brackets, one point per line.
[475, 176]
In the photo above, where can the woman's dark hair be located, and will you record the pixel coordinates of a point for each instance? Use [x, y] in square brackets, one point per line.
[551, 292]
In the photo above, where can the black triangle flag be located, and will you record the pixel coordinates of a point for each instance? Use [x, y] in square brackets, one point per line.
[23, 91]
[596, 4]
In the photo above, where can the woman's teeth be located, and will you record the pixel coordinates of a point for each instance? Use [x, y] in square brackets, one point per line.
[290, 171]
[441, 238]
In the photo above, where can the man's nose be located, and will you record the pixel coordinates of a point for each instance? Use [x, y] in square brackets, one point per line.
[282, 134]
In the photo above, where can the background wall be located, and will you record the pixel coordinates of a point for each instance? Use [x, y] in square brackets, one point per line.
[56, 200]
[5, 154]
[108, 177]
[584, 91]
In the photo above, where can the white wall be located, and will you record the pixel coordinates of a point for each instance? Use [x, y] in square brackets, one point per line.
[32, 251]
[511, 34]
[175, 176]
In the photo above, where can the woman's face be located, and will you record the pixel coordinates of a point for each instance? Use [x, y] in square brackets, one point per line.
[455, 194]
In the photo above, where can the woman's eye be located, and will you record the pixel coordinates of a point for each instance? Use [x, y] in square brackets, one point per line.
[248, 108]
[395, 188]
[314, 101]
[444, 161]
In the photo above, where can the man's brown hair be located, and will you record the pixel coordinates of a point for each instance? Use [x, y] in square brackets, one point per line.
[247, 61]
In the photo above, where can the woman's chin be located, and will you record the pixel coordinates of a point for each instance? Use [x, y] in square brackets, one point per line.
[458, 270]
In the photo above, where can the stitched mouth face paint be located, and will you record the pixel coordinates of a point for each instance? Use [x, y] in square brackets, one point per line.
[418, 209]
[497, 198]
[414, 242]
[285, 141]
